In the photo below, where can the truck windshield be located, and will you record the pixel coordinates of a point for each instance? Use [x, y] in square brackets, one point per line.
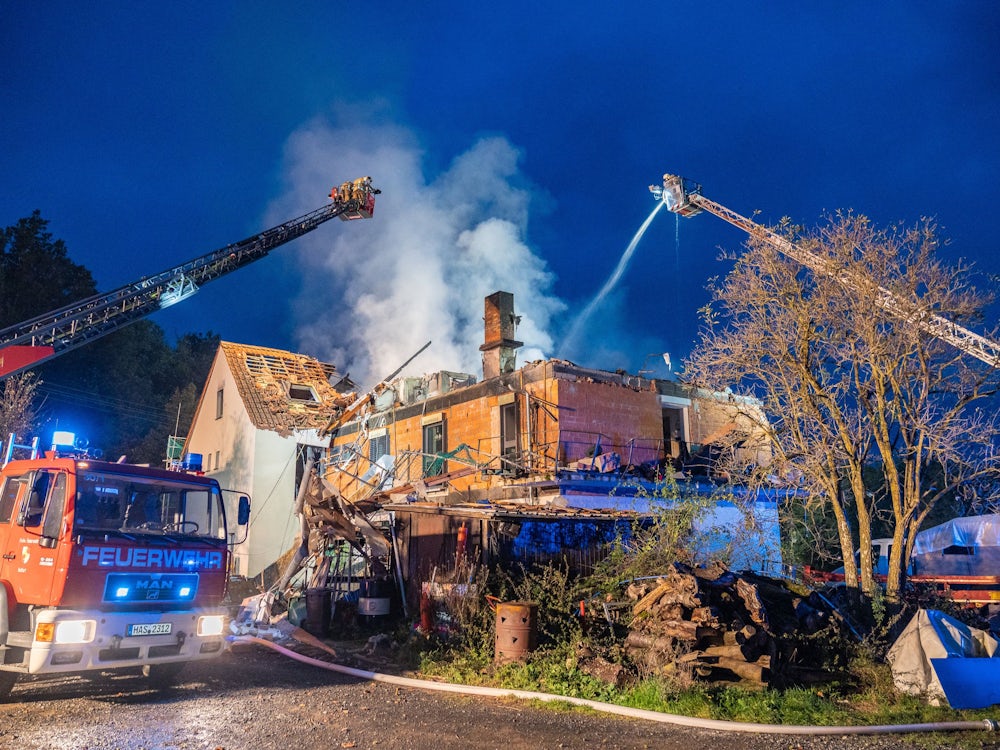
[118, 502]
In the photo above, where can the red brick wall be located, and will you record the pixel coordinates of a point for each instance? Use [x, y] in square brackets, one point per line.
[625, 421]
[569, 414]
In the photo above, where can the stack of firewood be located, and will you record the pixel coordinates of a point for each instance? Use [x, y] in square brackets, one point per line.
[718, 625]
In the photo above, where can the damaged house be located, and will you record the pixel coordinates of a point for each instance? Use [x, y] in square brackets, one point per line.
[260, 414]
[530, 460]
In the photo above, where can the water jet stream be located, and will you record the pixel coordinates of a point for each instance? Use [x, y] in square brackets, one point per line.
[574, 331]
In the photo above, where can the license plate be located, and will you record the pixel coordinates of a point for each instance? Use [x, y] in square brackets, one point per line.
[149, 628]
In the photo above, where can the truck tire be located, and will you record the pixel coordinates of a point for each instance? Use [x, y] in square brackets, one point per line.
[162, 675]
[7, 680]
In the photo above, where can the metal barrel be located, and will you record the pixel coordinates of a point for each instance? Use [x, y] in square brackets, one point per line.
[374, 599]
[517, 631]
[317, 611]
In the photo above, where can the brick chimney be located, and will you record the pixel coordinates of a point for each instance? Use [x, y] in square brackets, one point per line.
[499, 348]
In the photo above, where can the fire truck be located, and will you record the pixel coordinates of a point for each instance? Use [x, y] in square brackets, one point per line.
[110, 565]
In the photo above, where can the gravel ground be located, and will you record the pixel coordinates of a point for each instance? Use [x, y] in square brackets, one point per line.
[255, 699]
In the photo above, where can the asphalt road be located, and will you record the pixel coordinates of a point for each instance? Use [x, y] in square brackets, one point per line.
[259, 700]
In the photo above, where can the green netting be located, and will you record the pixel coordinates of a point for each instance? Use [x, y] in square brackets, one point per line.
[175, 447]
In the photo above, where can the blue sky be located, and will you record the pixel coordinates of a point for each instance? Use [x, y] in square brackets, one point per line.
[514, 143]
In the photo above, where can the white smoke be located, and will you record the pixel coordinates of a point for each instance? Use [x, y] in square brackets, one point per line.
[375, 291]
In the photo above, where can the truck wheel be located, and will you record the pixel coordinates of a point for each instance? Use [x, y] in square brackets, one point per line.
[162, 675]
[7, 680]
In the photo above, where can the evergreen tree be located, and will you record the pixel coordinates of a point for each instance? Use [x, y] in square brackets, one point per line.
[121, 391]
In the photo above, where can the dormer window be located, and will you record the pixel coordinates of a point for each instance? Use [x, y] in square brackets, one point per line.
[300, 392]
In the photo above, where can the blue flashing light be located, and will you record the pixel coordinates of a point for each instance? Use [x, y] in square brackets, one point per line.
[63, 439]
[151, 588]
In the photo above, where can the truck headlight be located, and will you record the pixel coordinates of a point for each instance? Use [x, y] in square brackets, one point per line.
[210, 625]
[66, 631]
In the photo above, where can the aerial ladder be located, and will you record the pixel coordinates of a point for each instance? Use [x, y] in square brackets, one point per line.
[34, 341]
[684, 198]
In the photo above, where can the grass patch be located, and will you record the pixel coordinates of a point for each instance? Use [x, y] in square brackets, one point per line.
[875, 702]
[464, 654]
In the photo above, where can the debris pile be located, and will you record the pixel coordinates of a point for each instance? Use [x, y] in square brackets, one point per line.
[718, 625]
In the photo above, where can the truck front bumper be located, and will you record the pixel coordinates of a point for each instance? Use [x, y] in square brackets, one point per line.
[77, 640]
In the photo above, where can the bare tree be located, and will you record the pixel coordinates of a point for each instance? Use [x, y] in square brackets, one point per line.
[17, 399]
[847, 384]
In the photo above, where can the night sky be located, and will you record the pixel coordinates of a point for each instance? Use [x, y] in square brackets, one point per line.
[514, 143]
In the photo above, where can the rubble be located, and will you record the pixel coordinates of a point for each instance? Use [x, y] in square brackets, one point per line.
[256, 619]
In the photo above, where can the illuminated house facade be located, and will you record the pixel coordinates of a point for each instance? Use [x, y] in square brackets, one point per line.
[545, 443]
[261, 411]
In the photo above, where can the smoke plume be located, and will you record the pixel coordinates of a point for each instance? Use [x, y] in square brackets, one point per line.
[375, 291]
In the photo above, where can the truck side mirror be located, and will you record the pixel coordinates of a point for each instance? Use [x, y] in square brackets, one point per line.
[243, 511]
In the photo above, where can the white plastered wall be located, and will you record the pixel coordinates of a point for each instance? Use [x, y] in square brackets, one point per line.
[232, 436]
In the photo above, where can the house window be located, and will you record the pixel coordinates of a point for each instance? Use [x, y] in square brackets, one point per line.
[300, 392]
[378, 446]
[508, 431]
[433, 444]
[218, 403]
[217, 461]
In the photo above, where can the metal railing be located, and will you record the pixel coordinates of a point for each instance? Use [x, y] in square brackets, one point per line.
[361, 477]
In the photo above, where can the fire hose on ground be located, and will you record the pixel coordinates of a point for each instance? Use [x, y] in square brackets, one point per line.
[990, 725]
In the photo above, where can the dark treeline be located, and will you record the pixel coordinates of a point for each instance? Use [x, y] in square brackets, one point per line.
[124, 392]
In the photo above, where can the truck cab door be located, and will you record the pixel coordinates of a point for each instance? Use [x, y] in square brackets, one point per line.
[12, 494]
[33, 533]
[12, 490]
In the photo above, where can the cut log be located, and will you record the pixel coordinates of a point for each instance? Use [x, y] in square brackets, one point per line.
[751, 599]
[732, 652]
[682, 630]
[721, 625]
[648, 641]
[667, 611]
[650, 599]
[635, 591]
[753, 672]
[705, 615]
[711, 572]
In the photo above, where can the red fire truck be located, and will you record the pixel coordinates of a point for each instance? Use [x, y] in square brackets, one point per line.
[108, 565]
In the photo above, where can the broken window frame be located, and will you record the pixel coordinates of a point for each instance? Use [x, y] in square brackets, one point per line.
[434, 442]
[510, 436]
[303, 392]
[378, 445]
